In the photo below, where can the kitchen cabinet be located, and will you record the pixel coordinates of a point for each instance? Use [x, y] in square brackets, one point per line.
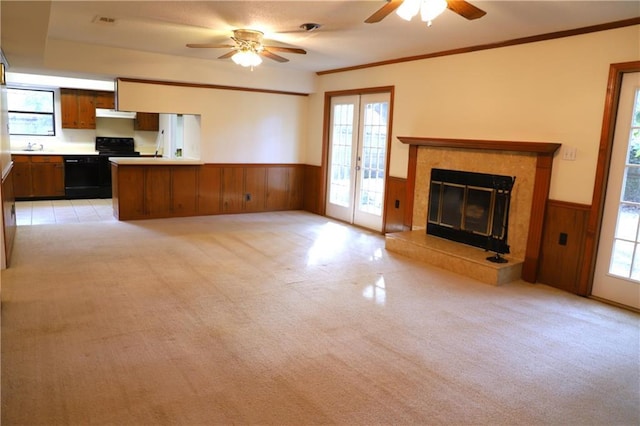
[78, 109]
[105, 100]
[147, 121]
[38, 176]
[21, 176]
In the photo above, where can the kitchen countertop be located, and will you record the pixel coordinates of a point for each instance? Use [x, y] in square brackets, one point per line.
[155, 161]
[25, 152]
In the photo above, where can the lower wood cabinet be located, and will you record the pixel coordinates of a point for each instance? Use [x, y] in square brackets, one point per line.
[38, 176]
[155, 191]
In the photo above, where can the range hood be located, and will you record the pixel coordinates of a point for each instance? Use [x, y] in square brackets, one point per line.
[112, 113]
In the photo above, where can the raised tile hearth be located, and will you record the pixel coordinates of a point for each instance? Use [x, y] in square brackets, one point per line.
[452, 256]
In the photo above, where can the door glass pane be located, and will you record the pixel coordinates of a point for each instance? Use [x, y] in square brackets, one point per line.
[625, 256]
[374, 143]
[342, 139]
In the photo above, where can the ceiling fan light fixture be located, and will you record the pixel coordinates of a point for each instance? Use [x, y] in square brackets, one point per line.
[431, 9]
[408, 9]
[246, 58]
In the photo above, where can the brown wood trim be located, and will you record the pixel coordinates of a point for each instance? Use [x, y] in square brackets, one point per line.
[531, 147]
[614, 84]
[513, 42]
[411, 185]
[206, 86]
[541, 186]
[8, 202]
[568, 205]
[325, 134]
[247, 165]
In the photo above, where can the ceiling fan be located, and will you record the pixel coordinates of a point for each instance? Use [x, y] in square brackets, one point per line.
[461, 7]
[248, 48]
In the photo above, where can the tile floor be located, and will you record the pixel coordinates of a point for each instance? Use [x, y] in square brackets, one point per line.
[63, 211]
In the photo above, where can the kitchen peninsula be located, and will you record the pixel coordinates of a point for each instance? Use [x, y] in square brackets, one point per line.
[149, 188]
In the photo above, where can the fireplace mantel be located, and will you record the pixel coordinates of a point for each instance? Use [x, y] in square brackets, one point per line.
[543, 151]
[540, 148]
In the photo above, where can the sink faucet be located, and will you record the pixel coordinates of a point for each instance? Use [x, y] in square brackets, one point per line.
[34, 147]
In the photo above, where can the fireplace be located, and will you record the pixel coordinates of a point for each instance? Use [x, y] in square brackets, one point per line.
[531, 162]
[470, 208]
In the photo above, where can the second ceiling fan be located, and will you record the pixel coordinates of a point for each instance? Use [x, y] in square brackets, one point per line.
[429, 9]
[248, 48]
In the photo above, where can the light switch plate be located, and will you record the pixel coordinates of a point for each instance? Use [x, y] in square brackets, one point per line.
[569, 153]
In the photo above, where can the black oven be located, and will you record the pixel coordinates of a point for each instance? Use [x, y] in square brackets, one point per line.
[89, 176]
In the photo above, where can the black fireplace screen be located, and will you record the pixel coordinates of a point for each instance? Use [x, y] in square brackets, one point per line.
[471, 208]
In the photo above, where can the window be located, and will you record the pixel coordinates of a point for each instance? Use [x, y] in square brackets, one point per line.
[31, 112]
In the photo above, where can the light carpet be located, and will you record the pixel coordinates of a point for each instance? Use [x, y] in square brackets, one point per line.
[292, 318]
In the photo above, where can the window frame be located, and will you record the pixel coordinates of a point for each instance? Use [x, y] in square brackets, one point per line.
[52, 113]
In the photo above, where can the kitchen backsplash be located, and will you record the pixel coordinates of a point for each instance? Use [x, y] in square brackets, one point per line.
[83, 141]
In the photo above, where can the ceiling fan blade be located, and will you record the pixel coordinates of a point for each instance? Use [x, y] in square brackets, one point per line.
[209, 45]
[273, 56]
[385, 10]
[227, 55]
[465, 9]
[286, 49]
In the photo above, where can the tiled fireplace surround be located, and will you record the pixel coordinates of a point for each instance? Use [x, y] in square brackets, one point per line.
[529, 162]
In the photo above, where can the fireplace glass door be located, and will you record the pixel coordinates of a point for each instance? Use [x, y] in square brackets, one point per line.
[357, 158]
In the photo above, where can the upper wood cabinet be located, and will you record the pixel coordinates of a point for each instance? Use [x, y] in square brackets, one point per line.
[147, 121]
[78, 109]
[105, 100]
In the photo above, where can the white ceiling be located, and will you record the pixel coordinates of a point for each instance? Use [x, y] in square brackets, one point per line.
[344, 39]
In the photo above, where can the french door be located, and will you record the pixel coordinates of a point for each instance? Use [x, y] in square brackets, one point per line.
[358, 143]
[617, 273]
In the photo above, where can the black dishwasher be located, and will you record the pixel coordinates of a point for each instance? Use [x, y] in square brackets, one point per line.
[82, 176]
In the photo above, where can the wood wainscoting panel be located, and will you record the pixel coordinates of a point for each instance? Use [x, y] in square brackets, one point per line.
[8, 214]
[295, 187]
[562, 251]
[210, 190]
[153, 191]
[232, 189]
[311, 189]
[277, 192]
[396, 203]
[184, 190]
[255, 184]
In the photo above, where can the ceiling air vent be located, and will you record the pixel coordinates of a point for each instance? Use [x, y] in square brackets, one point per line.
[104, 20]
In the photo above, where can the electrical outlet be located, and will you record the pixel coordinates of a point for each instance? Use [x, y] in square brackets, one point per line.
[569, 153]
[563, 239]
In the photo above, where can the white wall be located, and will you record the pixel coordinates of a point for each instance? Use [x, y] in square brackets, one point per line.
[236, 126]
[69, 56]
[5, 163]
[550, 91]
[76, 140]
